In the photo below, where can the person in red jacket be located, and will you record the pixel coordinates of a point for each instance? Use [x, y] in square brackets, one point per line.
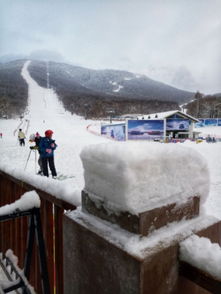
[46, 148]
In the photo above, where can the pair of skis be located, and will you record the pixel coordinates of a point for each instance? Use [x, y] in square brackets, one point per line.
[61, 177]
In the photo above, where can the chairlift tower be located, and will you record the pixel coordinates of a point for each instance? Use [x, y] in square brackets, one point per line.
[47, 77]
[110, 112]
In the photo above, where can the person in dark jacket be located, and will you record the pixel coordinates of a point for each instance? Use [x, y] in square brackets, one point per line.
[36, 139]
[46, 148]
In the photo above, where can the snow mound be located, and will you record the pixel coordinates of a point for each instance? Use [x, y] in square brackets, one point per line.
[203, 254]
[135, 177]
[27, 201]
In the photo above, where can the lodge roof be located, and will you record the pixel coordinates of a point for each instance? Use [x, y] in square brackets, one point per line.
[167, 114]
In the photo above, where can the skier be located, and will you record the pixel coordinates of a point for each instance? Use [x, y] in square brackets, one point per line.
[47, 147]
[1, 135]
[21, 137]
[208, 139]
[36, 138]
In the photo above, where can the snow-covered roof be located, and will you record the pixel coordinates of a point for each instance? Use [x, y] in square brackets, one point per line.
[162, 115]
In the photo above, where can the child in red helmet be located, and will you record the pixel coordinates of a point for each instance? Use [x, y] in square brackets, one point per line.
[47, 147]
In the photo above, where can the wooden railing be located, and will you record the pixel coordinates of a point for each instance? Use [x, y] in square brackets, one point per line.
[13, 234]
[199, 277]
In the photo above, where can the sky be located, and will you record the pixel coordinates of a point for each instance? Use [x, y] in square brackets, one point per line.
[176, 42]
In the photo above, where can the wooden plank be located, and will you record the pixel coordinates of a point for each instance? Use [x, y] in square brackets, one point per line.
[48, 230]
[23, 238]
[199, 277]
[27, 187]
[59, 279]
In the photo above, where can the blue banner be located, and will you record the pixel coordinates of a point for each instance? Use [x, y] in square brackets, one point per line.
[208, 122]
[145, 129]
[177, 124]
[200, 124]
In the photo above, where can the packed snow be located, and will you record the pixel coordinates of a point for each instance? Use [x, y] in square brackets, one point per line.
[71, 134]
[136, 177]
[201, 253]
[14, 278]
[210, 131]
[27, 201]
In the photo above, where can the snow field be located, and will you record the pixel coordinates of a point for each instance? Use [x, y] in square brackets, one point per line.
[70, 132]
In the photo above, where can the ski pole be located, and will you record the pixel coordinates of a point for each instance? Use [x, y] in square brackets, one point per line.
[35, 161]
[27, 160]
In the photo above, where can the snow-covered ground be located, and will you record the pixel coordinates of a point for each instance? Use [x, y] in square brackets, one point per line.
[71, 135]
[70, 132]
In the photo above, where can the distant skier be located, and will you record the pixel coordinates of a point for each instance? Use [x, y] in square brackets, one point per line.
[1, 135]
[36, 138]
[21, 138]
[47, 147]
[208, 139]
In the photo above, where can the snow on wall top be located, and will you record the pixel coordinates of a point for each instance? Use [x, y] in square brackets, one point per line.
[27, 201]
[132, 243]
[136, 177]
[203, 254]
[162, 115]
[67, 193]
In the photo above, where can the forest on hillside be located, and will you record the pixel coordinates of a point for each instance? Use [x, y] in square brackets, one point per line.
[90, 103]
[205, 106]
[13, 90]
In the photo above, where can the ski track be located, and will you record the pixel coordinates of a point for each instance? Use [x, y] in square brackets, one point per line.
[45, 111]
[70, 132]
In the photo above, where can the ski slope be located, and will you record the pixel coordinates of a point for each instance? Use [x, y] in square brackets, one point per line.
[46, 112]
[70, 132]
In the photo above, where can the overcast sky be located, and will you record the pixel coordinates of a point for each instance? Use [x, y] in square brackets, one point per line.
[174, 41]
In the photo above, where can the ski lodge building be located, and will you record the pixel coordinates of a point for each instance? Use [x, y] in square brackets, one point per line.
[177, 124]
[171, 125]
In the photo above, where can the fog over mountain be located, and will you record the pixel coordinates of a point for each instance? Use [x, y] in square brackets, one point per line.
[121, 84]
[144, 37]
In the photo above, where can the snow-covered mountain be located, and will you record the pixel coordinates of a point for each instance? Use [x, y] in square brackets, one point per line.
[92, 93]
[122, 84]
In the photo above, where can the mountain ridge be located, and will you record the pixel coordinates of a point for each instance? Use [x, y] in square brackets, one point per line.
[94, 93]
